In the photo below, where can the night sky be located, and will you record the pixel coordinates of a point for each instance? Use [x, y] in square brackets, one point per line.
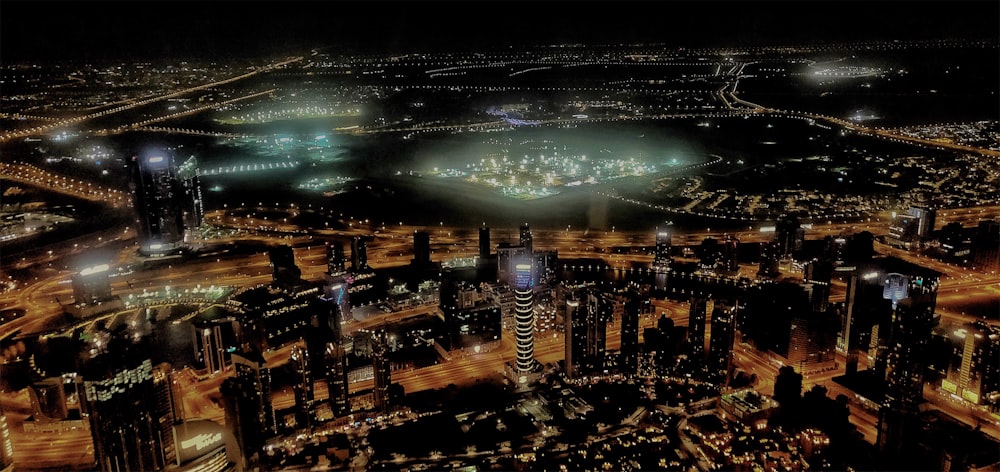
[44, 29]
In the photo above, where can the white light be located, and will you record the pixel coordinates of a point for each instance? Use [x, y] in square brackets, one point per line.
[94, 269]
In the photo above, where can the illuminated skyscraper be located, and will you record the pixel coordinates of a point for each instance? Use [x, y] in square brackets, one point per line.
[119, 398]
[169, 408]
[325, 343]
[525, 239]
[247, 401]
[359, 254]
[599, 309]
[770, 254]
[335, 262]
[302, 382]
[901, 315]
[729, 262]
[524, 315]
[209, 348]
[159, 202]
[789, 235]
[721, 337]
[629, 350]
[193, 206]
[6, 445]
[575, 330]
[335, 364]
[974, 373]
[382, 370]
[662, 256]
[697, 318]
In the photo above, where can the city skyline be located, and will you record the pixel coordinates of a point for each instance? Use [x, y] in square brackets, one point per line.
[499, 235]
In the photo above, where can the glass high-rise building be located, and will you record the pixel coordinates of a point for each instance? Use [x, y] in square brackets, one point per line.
[119, 398]
[159, 203]
[629, 350]
[381, 369]
[662, 252]
[524, 315]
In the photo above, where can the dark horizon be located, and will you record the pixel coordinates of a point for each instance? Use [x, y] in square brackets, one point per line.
[96, 30]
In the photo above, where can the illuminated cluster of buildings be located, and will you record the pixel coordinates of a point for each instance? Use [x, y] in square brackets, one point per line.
[101, 375]
[885, 326]
[544, 168]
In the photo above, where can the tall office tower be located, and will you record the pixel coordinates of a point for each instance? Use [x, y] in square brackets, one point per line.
[119, 398]
[721, 337]
[335, 362]
[525, 239]
[730, 262]
[359, 253]
[283, 267]
[484, 242]
[158, 202]
[302, 382]
[770, 254]
[326, 347]
[927, 217]
[6, 445]
[169, 408]
[335, 261]
[209, 348]
[599, 309]
[901, 357]
[336, 291]
[421, 249]
[381, 369]
[789, 234]
[974, 374]
[662, 255]
[819, 273]
[662, 343]
[193, 206]
[697, 318]
[524, 314]
[575, 327]
[249, 414]
[986, 246]
[629, 350]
